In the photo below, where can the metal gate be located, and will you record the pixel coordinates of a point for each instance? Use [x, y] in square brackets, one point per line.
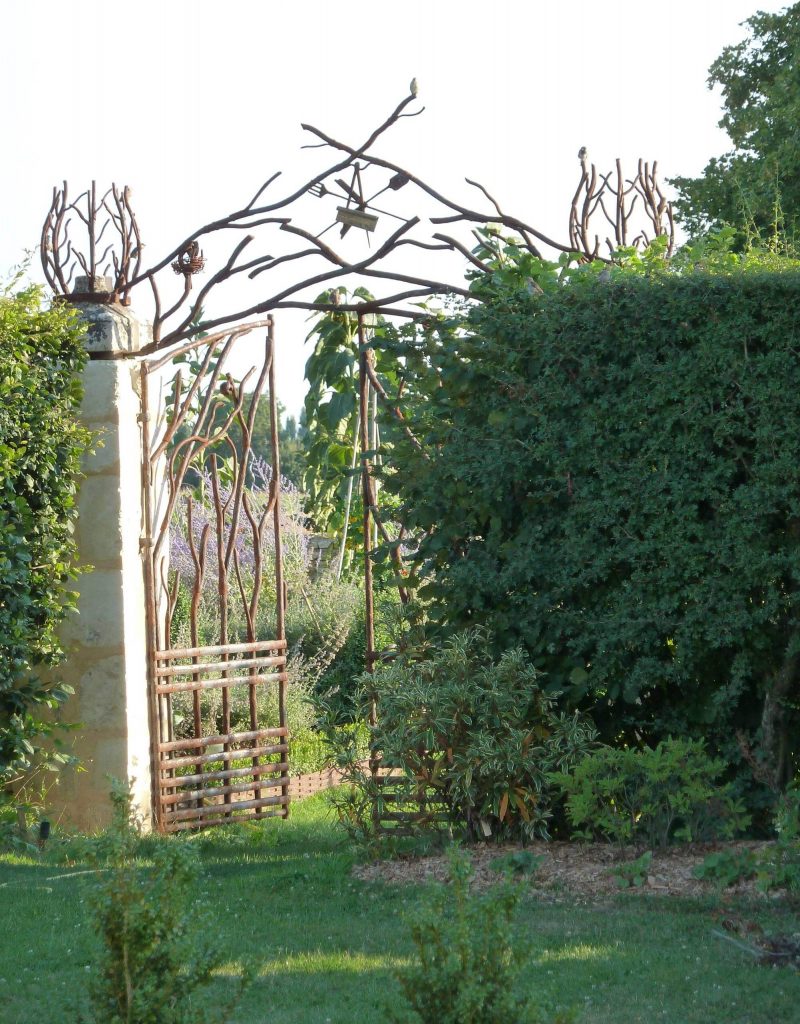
[217, 653]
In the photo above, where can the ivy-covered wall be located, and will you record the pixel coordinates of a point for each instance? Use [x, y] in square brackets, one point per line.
[611, 477]
[41, 354]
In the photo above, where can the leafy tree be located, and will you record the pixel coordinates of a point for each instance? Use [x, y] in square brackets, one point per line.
[332, 416]
[291, 438]
[755, 186]
[41, 353]
[608, 478]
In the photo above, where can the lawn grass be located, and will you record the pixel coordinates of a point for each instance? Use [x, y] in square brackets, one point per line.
[326, 945]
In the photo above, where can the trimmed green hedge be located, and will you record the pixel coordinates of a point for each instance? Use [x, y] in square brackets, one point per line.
[41, 444]
[611, 477]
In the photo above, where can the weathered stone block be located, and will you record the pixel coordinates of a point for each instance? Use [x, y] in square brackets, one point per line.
[105, 457]
[100, 522]
[101, 386]
[102, 703]
[113, 329]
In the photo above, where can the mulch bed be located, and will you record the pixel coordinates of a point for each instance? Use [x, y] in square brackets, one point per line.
[570, 870]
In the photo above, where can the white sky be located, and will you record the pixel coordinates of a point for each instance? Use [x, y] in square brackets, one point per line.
[194, 104]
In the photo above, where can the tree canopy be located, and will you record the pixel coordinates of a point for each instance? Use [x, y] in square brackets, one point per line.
[754, 187]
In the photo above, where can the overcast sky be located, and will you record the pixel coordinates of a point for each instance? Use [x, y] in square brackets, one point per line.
[194, 104]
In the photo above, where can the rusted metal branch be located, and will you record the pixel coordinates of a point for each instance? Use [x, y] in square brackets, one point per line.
[176, 319]
[622, 195]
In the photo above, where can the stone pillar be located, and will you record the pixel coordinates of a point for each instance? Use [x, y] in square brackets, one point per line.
[106, 641]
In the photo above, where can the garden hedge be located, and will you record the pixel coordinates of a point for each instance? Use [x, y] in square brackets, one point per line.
[610, 476]
[41, 444]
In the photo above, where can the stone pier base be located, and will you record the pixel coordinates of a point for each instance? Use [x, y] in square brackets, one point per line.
[106, 641]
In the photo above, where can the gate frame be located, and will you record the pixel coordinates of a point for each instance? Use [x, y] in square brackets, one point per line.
[162, 670]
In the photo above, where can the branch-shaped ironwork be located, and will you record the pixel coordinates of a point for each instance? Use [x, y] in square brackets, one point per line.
[114, 242]
[615, 198]
[201, 414]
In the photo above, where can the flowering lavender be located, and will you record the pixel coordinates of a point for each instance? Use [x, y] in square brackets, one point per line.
[204, 521]
[320, 609]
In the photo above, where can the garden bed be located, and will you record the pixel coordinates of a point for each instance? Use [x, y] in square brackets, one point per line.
[569, 870]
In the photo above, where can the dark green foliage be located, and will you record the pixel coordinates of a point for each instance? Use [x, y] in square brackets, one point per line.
[467, 961]
[652, 796]
[610, 478]
[776, 866]
[519, 862]
[338, 685]
[479, 735]
[40, 448]
[154, 963]
[755, 186]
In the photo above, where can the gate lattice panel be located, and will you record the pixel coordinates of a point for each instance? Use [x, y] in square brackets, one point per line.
[209, 794]
[220, 748]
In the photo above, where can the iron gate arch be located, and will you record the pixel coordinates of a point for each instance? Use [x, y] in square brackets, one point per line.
[114, 269]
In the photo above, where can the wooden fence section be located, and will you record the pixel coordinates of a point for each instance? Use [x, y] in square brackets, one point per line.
[214, 761]
[303, 786]
[400, 806]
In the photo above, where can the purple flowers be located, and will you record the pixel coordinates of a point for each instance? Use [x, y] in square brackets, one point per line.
[217, 525]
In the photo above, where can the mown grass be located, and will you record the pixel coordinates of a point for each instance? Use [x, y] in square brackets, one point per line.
[326, 945]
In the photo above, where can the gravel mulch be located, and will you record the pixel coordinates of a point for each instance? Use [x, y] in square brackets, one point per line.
[570, 870]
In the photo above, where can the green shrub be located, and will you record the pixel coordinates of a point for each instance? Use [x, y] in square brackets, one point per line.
[634, 873]
[479, 735]
[776, 866]
[779, 865]
[519, 862]
[347, 749]
[467, 959]
[652, 796]
[310, 751]
[41, 444]
[338, 685]
[154, 965]
[727, 867]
